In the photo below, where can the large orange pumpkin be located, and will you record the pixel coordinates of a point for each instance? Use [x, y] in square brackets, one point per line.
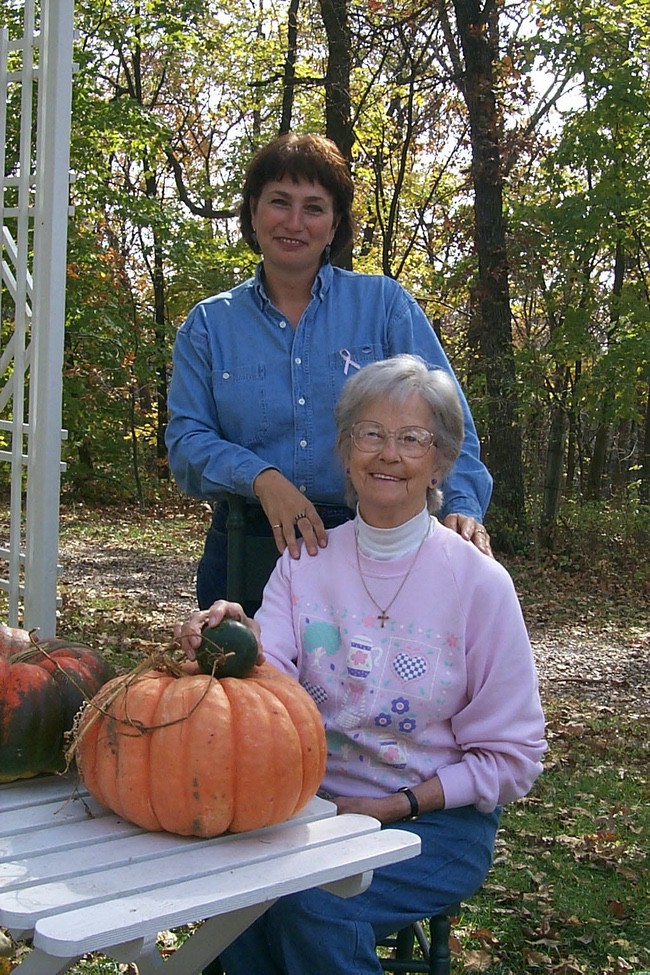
[199, 756]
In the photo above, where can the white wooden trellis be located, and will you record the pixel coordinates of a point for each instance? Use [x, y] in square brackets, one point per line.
[36, 73]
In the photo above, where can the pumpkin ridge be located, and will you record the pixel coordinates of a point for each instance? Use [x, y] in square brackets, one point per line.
[193, 759]
[139, 710]
[307, 717]
[268, 779]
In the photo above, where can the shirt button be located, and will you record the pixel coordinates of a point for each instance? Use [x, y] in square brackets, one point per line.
[225, 375]
[303, 488]
[301, 401]
[283, 324]
[298, 360]
[303, 443]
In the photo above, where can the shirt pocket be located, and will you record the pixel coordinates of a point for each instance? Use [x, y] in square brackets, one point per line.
[242, 398]
[348, 360]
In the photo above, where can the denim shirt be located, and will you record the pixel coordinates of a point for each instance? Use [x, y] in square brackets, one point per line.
[248, 392]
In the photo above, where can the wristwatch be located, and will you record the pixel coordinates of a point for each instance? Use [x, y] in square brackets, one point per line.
[415, 806]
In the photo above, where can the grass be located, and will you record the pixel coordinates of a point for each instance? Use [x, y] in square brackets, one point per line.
[569, 889]
[155, 531]
[568, 893]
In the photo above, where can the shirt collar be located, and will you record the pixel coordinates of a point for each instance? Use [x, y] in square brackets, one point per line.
[259, 286]
[320, 287]
[322, 281]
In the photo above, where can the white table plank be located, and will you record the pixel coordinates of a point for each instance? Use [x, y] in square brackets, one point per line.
[96, 927]
[56, 811]
[140, 847]
[184, 859]
[64, 837]
[56, 823]
[106, 842]
[41, 788]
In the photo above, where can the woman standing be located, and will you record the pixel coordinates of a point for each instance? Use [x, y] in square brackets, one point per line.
[258, 369]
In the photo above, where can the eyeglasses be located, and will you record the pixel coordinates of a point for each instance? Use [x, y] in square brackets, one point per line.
[410, 441]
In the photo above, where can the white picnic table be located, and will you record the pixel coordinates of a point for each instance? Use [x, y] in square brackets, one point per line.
[75, 878]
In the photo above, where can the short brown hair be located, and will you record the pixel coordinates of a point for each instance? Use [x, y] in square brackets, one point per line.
[301, 157]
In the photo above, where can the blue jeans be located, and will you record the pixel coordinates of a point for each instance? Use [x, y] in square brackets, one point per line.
[319, 933]
[212, 571]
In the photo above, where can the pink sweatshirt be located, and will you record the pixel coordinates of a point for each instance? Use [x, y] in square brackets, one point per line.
[448, 686]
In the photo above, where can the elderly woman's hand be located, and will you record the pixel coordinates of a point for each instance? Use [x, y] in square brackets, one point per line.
[387, 809]
[188, 634]
[395, 806]
[471, 530]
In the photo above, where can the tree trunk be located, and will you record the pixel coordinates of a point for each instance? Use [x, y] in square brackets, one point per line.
[160, 331]
[594, 490]
[644, 492]
[599, 455]
[338, 112]
[507, 520]
[157, 272]
[620, 458]
[553, 478]
[574, 432]
[289, 78]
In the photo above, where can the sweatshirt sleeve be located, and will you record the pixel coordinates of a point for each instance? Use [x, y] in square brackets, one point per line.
[275, 617]
[500, 729]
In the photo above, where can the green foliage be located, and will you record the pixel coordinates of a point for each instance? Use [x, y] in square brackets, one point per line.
[590, 538]
[169, 105]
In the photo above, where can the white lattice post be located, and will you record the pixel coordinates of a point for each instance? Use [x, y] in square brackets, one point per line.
[48, 314]
[15, 211]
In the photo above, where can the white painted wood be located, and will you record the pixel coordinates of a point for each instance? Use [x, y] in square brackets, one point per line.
[40, 963]
[99, 926]
[144, 951]
[79, 882]
[46, 386]
[152, 862]
[33, 232]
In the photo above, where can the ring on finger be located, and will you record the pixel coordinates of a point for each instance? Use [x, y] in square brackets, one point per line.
[303, 514]
[276, 526]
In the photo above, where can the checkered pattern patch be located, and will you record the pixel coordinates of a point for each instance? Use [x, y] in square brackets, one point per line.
[319, 694]
[409, 666]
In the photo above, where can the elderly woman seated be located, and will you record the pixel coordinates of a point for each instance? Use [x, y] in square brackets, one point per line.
[412, 644]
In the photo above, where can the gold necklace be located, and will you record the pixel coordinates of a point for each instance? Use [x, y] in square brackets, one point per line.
[383, 610]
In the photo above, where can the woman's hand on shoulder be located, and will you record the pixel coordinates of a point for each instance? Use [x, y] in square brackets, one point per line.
[287, 509]
[471, 530]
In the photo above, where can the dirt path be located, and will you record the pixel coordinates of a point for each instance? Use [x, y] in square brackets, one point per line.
[586, 649]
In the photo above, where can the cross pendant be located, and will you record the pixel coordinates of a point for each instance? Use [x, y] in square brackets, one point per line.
[383, 616]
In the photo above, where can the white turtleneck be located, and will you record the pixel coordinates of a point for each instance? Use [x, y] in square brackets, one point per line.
[392, 543]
